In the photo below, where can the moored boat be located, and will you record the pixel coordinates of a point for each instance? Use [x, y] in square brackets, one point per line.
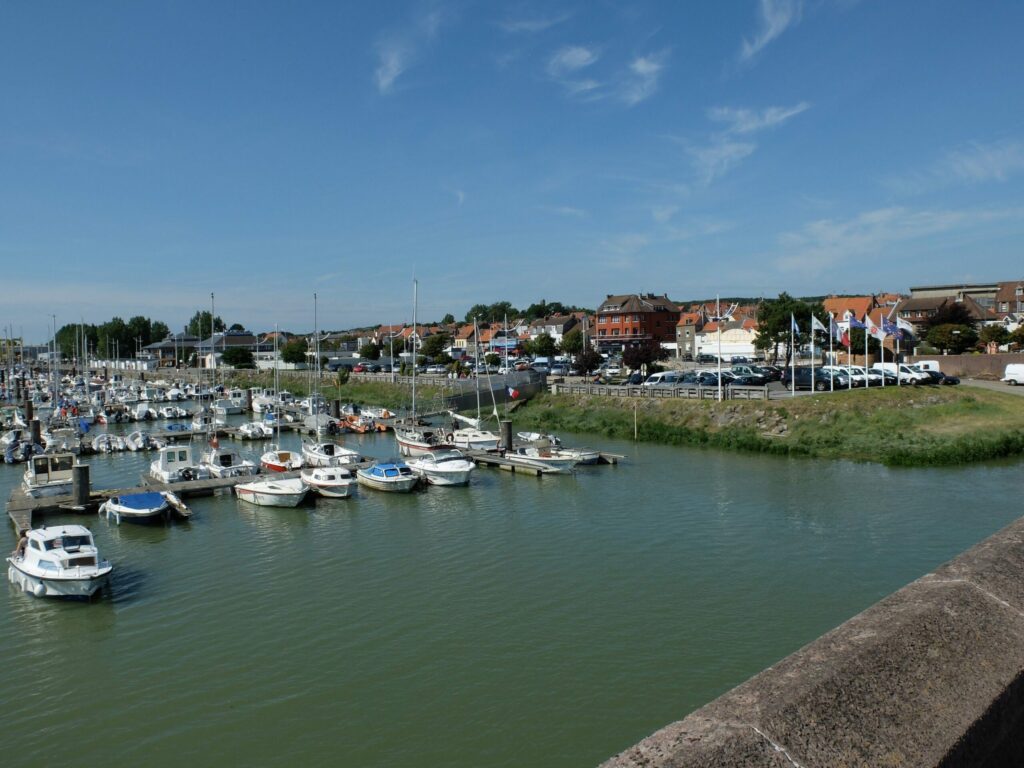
[58, 561]
[273, 493]
[277, 460]
[328, 455]
[444, 467]
[396, 477]
[49, 475]
[174, 464]
[333, 482]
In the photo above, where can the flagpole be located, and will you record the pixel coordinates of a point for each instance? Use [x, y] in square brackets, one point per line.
[831, 355]
[812, 354]
[792, 355]
[868, 382]
[881, 352]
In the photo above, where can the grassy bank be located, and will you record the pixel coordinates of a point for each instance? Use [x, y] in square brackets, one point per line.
[392, 396]
[896, 426]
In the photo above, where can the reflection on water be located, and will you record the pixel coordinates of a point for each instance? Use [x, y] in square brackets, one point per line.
[518, 621]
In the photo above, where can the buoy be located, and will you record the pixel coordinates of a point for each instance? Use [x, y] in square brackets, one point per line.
[40, 590]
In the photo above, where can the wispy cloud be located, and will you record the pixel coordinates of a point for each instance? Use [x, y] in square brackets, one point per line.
[397, 51]
[566, 210]
[641, 80]
[537, 24]
[974, 163]
[824, 243]
[664, 213]
[718, 158]
[751, 120]
[565, 67]
[775, 17]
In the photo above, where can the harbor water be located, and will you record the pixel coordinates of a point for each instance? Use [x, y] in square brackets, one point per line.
[518, 622]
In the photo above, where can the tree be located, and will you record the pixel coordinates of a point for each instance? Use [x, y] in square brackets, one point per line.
[342, 374]
[238, 357]
[158, 331]
[994, 333]
[572, 342]
[951, 313]
[588, 360]
[199, 325]
[370, 351]
[774, 323]
[434, 346]
[1017, 337]
[544, 345]
[952, 338]
[236, 327]
[492, 359]
[448, 319]
[294, 351]
[642, 355]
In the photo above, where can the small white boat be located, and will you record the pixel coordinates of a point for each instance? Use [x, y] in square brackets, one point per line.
[447, 467]
[58, 561]
[107, 443]
[49, 475]
[273, 493]
[203, 421]
[143, 441]
[418, 440]
[277, 460]
[173, 412]
[554, 444]
[255, 430]
[475, 439]
[328, 455]
[333, 482]
[393, 476]
[174, 464]
[226, 462]
[226, 407]
[542, 458]
[143, 412]
[144, 506]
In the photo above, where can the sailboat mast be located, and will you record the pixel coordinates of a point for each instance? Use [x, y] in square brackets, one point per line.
[415, 299]
[476, 335]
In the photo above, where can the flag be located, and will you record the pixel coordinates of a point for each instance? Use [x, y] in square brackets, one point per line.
[834, 330]
[855, 323]
[817, 325]
[891, 329]
[874, 330]
[792, 324]
[513, 393]
[845, 339]
[905, 326]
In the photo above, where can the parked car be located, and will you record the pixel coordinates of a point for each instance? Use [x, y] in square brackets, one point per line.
[373, 368]
[635, 378]
[749, 380]
[611, 369]
[703, 359]
[820, 380]
[739, 359]
[559, 370]
[359, 368]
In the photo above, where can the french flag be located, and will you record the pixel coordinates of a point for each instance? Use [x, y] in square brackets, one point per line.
[513, 393]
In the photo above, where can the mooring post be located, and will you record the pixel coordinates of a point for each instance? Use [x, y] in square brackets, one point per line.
[506, 434]
[29, 411]
[248, 400]
[80, 491]
[336, 409]
[36, 431]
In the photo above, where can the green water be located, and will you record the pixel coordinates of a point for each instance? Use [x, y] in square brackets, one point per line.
[517, 622]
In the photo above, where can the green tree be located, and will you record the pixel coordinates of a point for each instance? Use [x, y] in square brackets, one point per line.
[588, 360]
[236, 327]
[448, 319]
[951, 313]
[199, 325]
[477, 311]
[641, 356]
[996, 333]
[370, 351]
[492, 359]
[238, 357]
[774, 321]
[433, 346]
[572, 342]
[952, 338]
[1017, 337]
[342, 376]
[294, 351]
[544, 345]
[158, 331]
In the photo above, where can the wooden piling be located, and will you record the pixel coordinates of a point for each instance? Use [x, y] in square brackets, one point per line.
[36, 431]
[505, 443]
[80, 490]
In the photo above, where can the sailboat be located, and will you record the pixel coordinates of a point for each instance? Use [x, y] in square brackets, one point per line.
[472, 436]
[275, 459]
[317, 421]
[413, 438]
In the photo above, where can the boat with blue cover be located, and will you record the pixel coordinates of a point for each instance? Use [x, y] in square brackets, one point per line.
[143, 506]
[392, 476]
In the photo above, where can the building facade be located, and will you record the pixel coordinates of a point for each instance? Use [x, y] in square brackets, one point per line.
[627, 319]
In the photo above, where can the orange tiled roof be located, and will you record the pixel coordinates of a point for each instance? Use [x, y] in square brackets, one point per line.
[840, 305]
[689, 318]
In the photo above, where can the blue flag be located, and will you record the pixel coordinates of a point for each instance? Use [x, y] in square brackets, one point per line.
[793, 326]
[855, 323]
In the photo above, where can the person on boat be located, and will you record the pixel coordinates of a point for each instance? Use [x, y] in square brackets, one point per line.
[19, 550]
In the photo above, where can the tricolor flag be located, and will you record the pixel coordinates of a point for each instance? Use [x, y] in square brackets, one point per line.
[513, 393]
[834, 330]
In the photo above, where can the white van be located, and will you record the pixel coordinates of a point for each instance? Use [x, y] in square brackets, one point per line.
[928, 365]
[662, 378]
[1014, 374]
[906, 374]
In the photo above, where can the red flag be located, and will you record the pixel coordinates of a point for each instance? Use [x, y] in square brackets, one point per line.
[513, 393]
[845, 340]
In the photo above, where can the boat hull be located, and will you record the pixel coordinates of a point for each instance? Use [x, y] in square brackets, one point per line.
[85, 586]
[271, 494]
[395, 485]
[452, 478]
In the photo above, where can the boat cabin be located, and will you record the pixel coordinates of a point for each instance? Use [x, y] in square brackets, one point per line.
[173, 458]
[50, 469]
[66, 546]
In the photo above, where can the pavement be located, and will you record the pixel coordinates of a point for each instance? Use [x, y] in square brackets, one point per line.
[998, 386]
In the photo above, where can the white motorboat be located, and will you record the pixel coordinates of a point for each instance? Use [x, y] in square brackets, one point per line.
[277, 460]
[58, 561]
[273, 493]
[554, 444]
[107, 443]
[333, 482]
[143, 441]
[475, 439]
[140, 506]
[542, 458]
[328, 455]
[203, 421]
[174, 464]
[392, 476]
[143, 412]
[173, 412]
[446, 467]
[49, 475]
[418, 440]
[255, 430]
[226, 407]
[227, 462]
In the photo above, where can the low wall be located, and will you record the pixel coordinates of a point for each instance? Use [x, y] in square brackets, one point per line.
[972, 366]
[932, 675]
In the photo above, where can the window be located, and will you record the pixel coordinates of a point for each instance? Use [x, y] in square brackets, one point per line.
[616, 318]
[602, 332]
[602, 318]
[182, 456]
[636, 318]
[615, 331]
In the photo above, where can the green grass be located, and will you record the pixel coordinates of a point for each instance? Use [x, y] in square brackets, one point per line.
[392, 396]
[898, 426]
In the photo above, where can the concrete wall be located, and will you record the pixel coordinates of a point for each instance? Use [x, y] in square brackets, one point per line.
[973, 366]
[932, 675]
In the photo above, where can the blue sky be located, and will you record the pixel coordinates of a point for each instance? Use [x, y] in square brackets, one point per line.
[153, 152]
